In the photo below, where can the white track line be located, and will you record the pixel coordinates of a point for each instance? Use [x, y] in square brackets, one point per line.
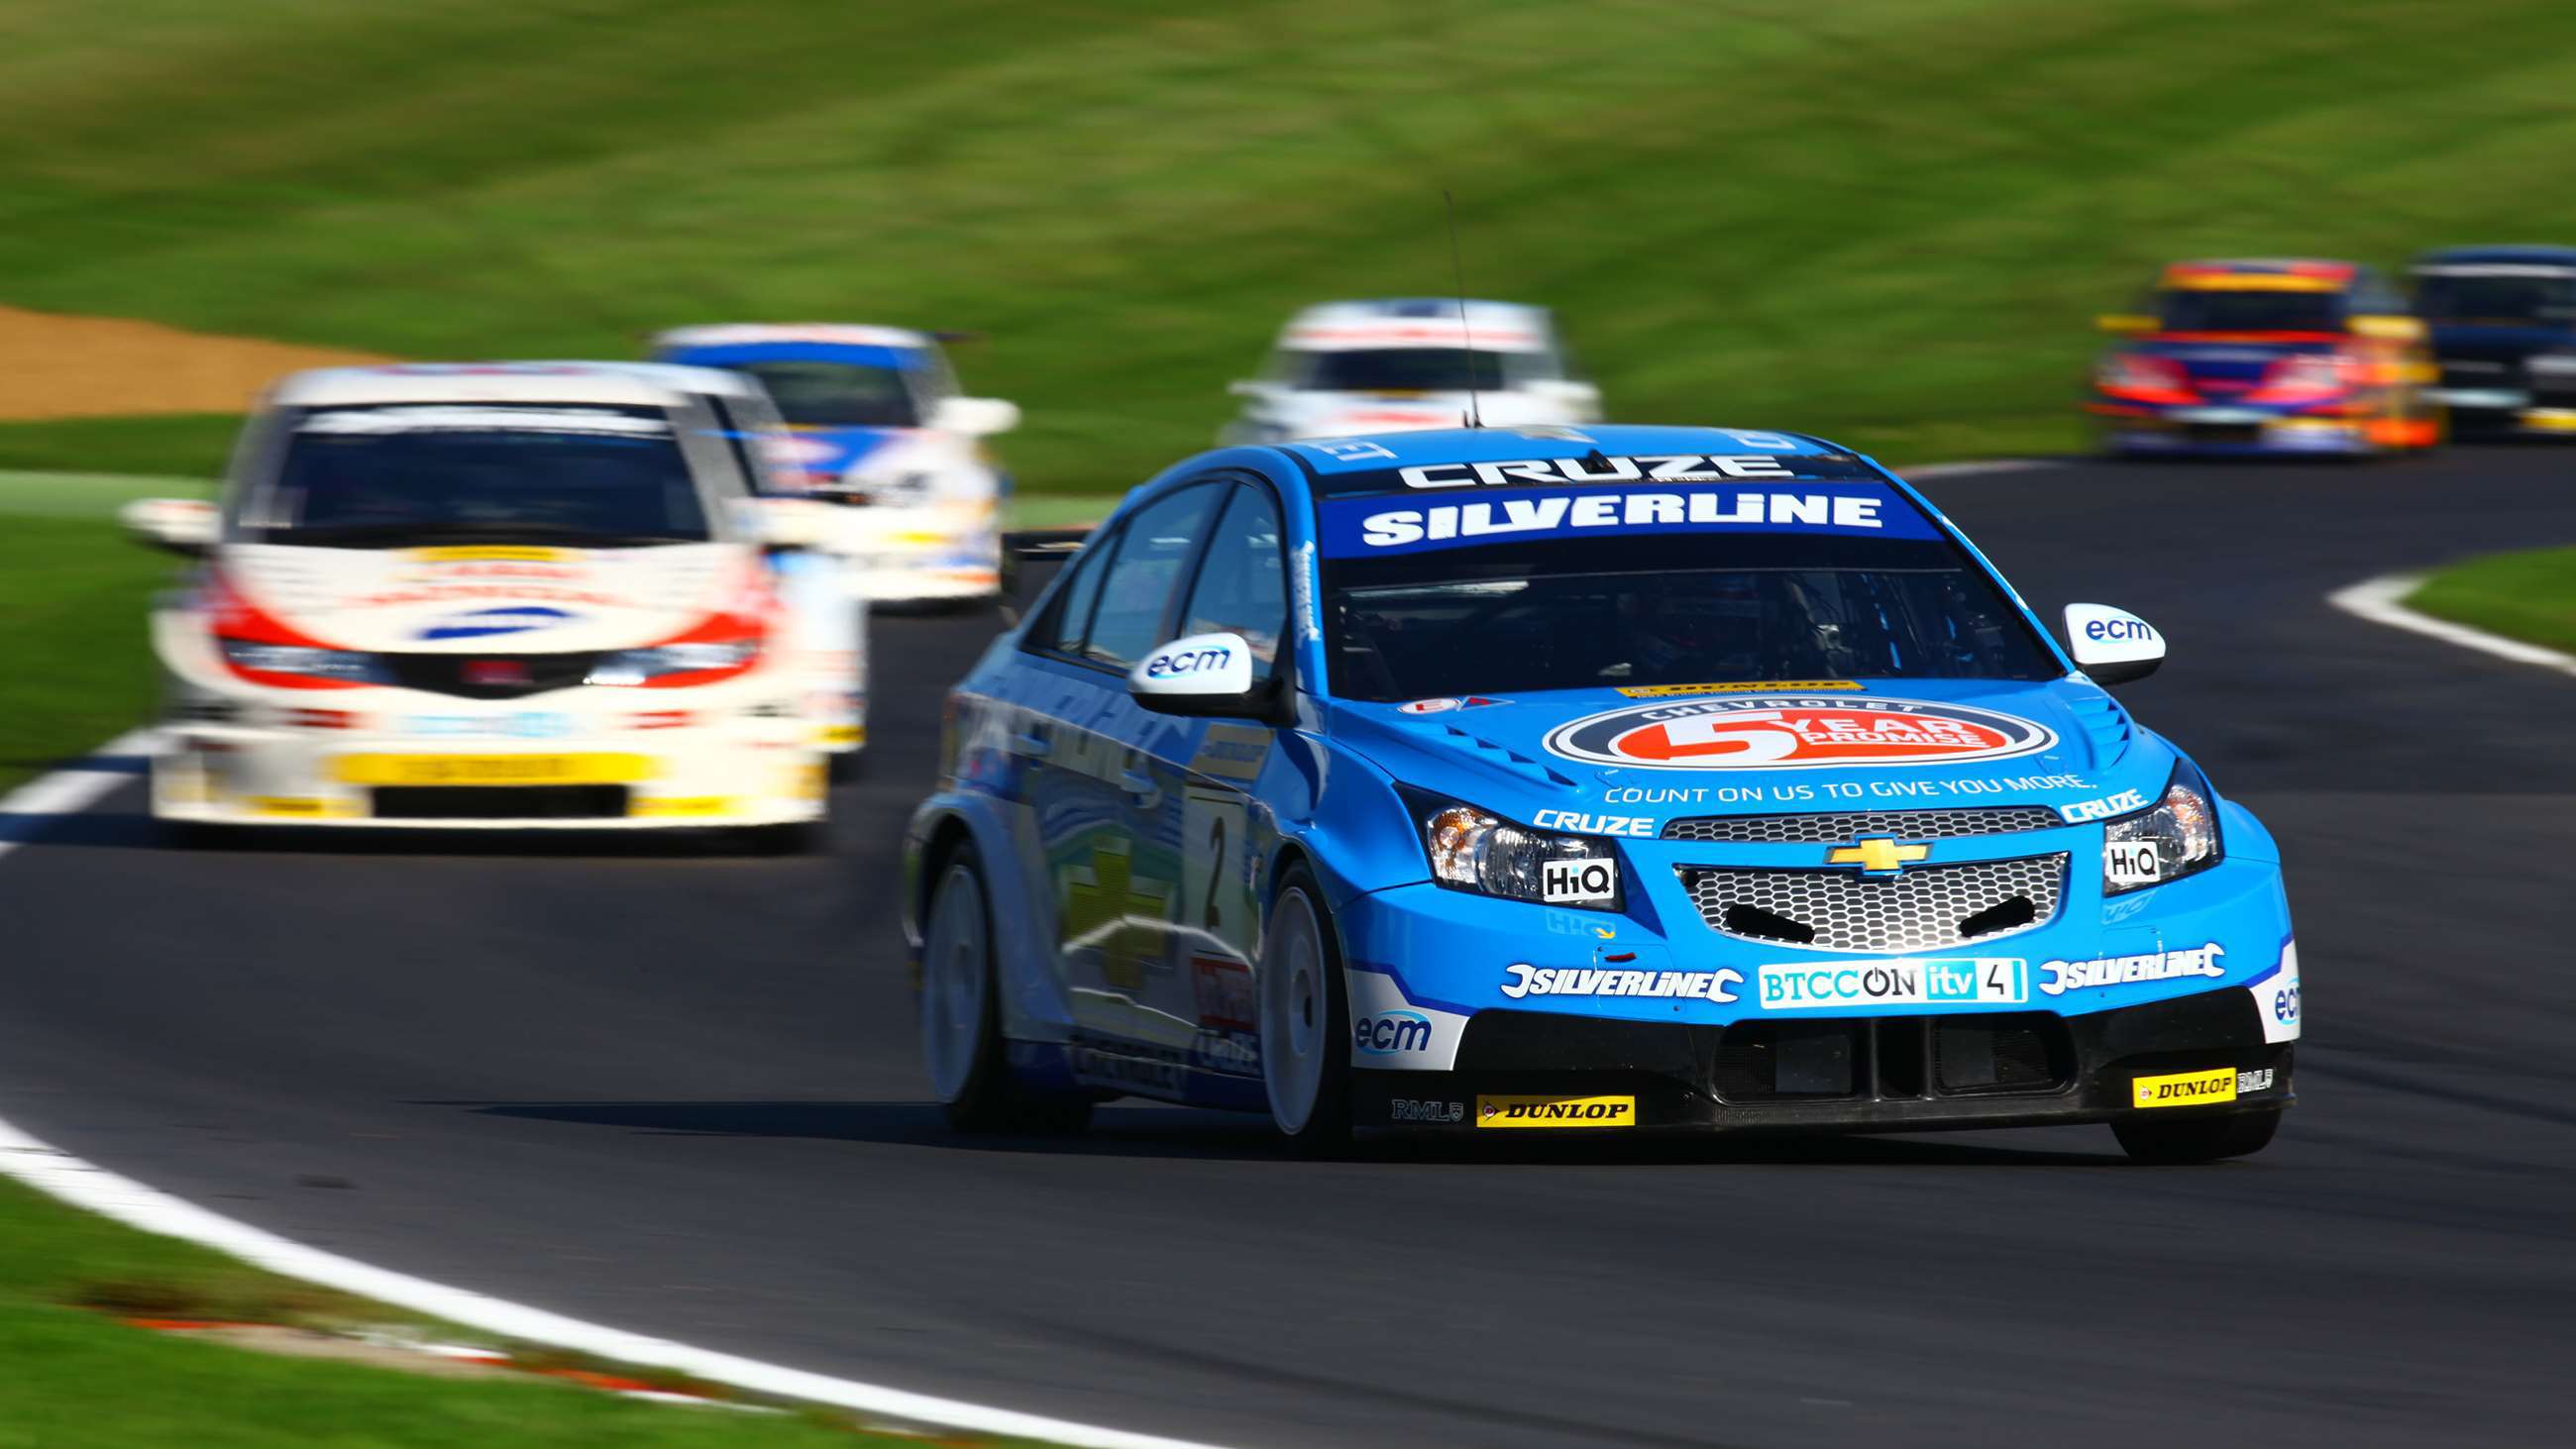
[83, 1184]
[77, 786]
[2380, 601]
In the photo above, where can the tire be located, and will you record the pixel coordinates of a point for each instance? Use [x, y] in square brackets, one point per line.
[1305, 1018]
[961, 1032]
[2196, 1139]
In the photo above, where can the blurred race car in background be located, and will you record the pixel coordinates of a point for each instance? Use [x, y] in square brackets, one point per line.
[2266, 356]
[2503, 320]
[495, 595]
[878, 428]
[1404, 364]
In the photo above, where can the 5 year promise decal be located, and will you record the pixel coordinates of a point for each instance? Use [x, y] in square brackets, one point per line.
[1795, 732]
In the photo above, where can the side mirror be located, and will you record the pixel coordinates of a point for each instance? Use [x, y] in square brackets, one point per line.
[976, 417]
[2126, 324]
[2388, 329]
[2113, 646]
[1199, 676]
[187, 526]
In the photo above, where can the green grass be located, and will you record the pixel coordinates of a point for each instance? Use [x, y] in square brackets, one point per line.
[187, 445]
[77, 666]
[1887, 220]
[2528, 596]
[77, 1376]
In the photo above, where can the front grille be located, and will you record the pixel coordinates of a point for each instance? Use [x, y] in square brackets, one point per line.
[1834, 827]
[447, 673]
[2223, 434]
[510, 802]
[1927, 908]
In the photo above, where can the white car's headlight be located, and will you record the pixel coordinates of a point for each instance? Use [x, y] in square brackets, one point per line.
[674, 663]
[303, 662]
[1476, 850]
[2175, 837]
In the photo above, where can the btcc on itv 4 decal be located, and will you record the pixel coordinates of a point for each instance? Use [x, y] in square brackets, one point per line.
[1581, 780]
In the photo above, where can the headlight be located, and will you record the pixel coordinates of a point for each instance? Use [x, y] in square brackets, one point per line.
[298, 661]
[666, 663]
[2173, 838]
[1474, 850]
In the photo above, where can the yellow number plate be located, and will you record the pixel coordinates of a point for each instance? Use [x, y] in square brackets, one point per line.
[494, 769]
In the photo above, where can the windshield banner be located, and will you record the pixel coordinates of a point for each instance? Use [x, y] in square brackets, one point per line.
[1381, 526]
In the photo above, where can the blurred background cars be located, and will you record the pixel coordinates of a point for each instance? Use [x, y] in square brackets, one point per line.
[2503, 323]
[2266, 356]
[496, 596]
[1407, 363]
[879, 429]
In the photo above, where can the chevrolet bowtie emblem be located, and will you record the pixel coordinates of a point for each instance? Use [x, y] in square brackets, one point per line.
[1877, 855]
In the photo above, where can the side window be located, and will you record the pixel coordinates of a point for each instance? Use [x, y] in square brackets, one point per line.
[1069, 618]
[1243, 583]
[1136, 589]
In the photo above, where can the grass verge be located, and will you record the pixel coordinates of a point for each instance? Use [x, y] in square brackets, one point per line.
[77, 1376]
[1889, 221]
[2529, 596]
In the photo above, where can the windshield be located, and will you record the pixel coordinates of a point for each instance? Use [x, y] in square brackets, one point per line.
[1403, 369]
[2199, 311]
[1574, 613]
[2540, 299]
[391, 477]
[837, 394]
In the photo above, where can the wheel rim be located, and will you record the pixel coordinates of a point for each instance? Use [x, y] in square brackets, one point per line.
[952, 983]
[1295, 1004]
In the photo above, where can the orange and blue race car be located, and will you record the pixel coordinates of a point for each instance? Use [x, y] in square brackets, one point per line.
[2267, 356]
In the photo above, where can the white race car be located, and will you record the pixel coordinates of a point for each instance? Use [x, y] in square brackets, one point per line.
[1406, 363]
[496, 596]
[879, 430]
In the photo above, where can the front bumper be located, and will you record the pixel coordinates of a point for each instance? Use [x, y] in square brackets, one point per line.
[2232, 431]
[750, 772]
[1888, 1073]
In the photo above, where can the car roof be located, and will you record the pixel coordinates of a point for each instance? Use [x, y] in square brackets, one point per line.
[1336, 465]
[2272, 274]
[2484, 258]
[1420, 322]
[680, 376]
[486, 382]
[754, 334]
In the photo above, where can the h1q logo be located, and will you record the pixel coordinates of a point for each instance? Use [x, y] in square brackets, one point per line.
[1795, 732]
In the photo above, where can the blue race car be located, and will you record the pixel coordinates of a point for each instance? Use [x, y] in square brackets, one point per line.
[1614, 779]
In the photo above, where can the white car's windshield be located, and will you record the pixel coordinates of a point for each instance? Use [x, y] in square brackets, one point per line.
[392, 477]
[1404, 369]
[837, 394]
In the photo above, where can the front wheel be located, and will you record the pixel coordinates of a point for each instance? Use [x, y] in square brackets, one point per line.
[1305, 1018]
[961, 1032]
[2202, 1139]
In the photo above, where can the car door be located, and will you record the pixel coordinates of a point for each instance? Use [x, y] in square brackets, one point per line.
[1107, 883]
[1202, 805]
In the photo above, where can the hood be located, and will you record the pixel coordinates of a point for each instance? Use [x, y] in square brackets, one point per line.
[1312, 414]
[1626, 763]
[481, 600]
[2222, 367]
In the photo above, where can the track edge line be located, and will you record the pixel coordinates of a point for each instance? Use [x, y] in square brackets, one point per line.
[2379, 600]
[83, 1184]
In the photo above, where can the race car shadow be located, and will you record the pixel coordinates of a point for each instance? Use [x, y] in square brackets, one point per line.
[1156, 1131]
[136, 830]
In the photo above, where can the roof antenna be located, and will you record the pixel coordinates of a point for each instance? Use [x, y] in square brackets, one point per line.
[1475, 414]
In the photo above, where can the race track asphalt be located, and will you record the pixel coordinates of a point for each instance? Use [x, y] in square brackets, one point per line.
[679, 1092]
